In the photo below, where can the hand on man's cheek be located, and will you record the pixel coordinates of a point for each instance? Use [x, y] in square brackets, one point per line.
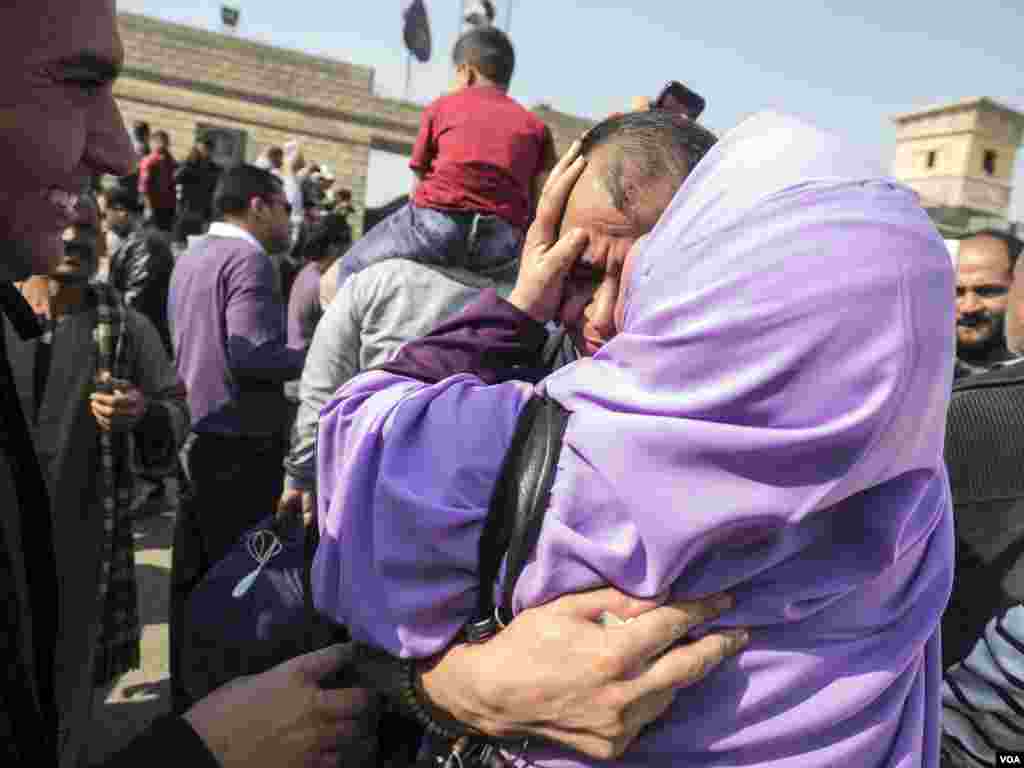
[575, 298]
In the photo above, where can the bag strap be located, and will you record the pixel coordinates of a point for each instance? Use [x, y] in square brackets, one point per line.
[517, 510]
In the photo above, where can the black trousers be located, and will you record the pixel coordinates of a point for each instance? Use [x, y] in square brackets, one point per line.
[235, 483]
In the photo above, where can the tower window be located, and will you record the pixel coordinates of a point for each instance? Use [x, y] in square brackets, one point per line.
[989, 162]
[930, 161]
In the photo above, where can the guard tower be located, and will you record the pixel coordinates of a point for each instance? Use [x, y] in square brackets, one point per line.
[960, 157]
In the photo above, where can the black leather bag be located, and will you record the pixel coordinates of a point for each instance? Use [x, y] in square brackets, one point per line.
[517, 509]
[511, 528]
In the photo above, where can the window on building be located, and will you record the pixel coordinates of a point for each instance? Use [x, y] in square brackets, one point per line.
[387, 177]
[930, 160]
[989, 162]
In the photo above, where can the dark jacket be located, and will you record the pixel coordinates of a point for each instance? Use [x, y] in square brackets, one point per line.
[140, 269]
[985, 456]
[982, 641]
[28, 601]
[197, 180]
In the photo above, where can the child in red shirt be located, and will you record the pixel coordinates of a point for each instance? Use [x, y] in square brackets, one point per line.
[479, 159]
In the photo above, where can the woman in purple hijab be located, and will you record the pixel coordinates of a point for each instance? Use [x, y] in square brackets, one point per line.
[768, 421]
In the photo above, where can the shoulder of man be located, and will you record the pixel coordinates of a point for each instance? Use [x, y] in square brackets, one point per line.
[1004, 375]
[403, 281]
[985, 433]
[212, 256]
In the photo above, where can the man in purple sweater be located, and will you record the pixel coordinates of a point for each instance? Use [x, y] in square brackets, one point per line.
[231, 352]
[227, 321]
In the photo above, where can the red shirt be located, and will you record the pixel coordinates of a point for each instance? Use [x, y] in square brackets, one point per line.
[479, 150]
[156, 178]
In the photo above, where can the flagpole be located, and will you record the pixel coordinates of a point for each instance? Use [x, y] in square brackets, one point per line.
[408, 74]
[458, 24]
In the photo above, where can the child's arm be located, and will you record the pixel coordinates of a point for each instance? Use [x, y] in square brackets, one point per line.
[424, 150]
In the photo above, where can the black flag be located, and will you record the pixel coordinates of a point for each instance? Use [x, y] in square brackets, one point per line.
[417, 30]
[229, 16]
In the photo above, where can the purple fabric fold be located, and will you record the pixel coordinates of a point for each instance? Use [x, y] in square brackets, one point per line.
[770, 422]
[414, 520]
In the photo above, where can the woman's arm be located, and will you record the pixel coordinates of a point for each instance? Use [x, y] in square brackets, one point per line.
[490, 338]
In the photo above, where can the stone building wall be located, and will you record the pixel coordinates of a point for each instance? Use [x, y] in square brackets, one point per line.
[180, 79]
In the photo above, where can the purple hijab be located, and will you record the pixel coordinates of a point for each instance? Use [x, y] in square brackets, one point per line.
[770, 421]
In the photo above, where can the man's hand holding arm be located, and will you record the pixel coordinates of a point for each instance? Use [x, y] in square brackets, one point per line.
[556, 673]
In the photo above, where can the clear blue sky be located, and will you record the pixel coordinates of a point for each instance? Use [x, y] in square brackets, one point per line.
[848, 66]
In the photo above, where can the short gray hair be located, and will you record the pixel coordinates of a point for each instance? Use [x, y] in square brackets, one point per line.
[657, 143]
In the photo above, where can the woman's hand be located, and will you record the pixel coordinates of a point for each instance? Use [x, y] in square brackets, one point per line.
[547, 259]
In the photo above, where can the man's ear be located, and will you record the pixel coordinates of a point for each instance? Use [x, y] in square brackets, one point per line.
[257, 204]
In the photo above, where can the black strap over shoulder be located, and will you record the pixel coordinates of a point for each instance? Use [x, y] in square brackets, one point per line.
[518, 505]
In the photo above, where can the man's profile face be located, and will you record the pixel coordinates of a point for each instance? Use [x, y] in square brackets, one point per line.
[81, 255]
[118, 219]
[593, 300]
[983, 280]
[277, 225]
[59, 124]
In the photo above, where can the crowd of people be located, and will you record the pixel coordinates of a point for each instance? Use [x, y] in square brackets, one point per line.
[561, 438]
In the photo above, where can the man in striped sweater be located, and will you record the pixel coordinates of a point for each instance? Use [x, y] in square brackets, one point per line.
[983, 628]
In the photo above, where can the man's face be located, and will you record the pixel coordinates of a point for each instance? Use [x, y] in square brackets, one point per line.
[276, 216]
[983, 280]
[118, 219]
[59, 124]
[593, 301]
[79, 261]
